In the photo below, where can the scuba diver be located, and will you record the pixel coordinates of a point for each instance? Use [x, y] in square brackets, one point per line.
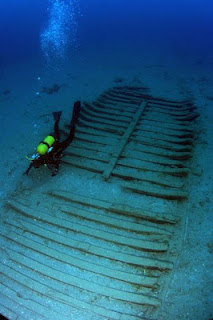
[50, 150]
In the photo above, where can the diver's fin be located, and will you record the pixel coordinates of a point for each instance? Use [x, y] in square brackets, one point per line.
[76, 112]
[57, 115]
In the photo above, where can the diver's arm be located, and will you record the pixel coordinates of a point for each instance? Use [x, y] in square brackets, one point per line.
[28, 169]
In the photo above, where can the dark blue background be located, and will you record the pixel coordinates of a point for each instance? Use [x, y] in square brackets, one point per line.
[182, 25]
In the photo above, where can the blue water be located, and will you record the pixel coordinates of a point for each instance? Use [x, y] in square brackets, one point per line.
[54, 28]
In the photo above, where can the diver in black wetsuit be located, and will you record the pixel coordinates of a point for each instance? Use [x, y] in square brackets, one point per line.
[50, 150]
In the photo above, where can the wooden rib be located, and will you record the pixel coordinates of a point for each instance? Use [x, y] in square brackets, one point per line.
[138, 244]
[99, 126]
[169, 132]
[187, 115]
[109, 97]
[94, 155]
[126, 94]
[88, 145]
[103, 121]
[37, 308]
[95, 138]
[129, 104]
[174, 110]
[7, 306]
[88, 109]
[113, 222]
[155, 150]
[100, 133]
[52, 288]
[146, 262]
[162, 137]
[115, 112]
[95, 250]
[129, 173]
[165, 118]
[83, 163]
[128, 297]
[159, 144]
[131, 160]
[112, 107]
[145, 167]
[150, 190]
[120, 97]
[94, 115]
[140, 92]
[165, 125]
[173, 104]
[144, 156]
[79, 263]
[126, 210]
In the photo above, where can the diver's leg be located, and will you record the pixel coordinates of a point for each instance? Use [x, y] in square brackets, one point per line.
[57, 116]
[28, 169]
[66, 143]
[76, 112]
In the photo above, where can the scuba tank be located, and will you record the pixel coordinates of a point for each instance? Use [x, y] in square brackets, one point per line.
[44, 145]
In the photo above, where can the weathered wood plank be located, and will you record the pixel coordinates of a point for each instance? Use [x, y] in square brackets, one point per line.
[124, 140]
[150, 190]
[120, 209]
[133, 242]
[141, 174]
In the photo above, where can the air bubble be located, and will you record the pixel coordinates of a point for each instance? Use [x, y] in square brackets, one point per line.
[59, 35]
